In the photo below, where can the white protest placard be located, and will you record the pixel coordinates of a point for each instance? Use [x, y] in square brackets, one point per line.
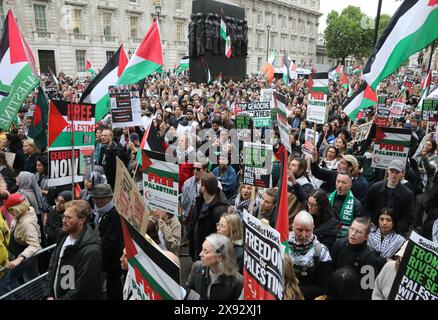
[391, 144]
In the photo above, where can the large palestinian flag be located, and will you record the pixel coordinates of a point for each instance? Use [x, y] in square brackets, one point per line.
[412, 28]
[152, 275]
[17, 79]
[363, 98]
[148, 58]
[282, 209]
[97, 92]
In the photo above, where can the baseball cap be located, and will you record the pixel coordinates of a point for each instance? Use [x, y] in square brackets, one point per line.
[397, 165]
[351, 159]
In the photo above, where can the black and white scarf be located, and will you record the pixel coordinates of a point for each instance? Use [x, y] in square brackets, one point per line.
[387, 248]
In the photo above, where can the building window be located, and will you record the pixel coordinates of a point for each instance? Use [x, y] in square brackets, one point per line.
[293, 44]
[259, 17]
[273, 18]
[40, 17]
[303, 27]
[309, 28]
[109, 55]
[2, 14]
[248, 15]
[273, 43]
[293, 24]
[80, 60]
[259, 63]
[283, 23]
[134, 27]
[178, 5]
[179, 31]
[133, 1]
[107, 17]
[259, 40]
[312, 4]
[77, 21]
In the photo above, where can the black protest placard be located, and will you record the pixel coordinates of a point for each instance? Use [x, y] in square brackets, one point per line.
[417, 275]
[430, 110]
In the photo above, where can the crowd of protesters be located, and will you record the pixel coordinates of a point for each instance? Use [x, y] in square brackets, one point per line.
[343, 213]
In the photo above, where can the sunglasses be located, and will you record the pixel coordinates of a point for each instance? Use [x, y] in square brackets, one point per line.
[197, 169]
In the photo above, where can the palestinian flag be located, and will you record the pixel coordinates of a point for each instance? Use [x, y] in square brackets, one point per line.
[335, 72]
[38, 128]
[226, 38]
[426, 82]
[152, 275]
[148, 58]
[17, 78]
[286, 69]
[282, 213]
[357, 70]
[412, 28]
[350, 90]
[149, 141]
[207, 70]
[89, 68]
[271, 59]
[318, 82]
[97, 92]
[184, 64]
[395, 136]
[363, 98]
[344, 81]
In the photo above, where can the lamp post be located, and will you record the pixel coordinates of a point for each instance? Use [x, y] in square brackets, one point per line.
[268, 28]
[158, 11]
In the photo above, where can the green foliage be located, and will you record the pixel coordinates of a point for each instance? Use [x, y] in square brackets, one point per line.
[351, 33]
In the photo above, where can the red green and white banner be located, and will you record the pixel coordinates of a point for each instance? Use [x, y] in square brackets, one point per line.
[129, 201]
[282, 208]
[147, 58]
[263, 261]
[417, 275]
[363, 98]
[412, 28]
[283, 125]
[97, 92]
[151, 274]
[160, 182]
[63, 117]
[317, 110]
[17, 78]
[391, 144]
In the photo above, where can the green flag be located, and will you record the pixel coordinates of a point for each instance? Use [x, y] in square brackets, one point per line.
[38, 128]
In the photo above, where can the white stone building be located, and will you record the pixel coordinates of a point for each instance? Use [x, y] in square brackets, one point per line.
[63, 34]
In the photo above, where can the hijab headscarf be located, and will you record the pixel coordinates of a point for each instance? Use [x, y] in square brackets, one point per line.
[27, 183]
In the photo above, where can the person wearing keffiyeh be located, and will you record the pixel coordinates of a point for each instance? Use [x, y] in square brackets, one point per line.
[312, 261]
[383, 238]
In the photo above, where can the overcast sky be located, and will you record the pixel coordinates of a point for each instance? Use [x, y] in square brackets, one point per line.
[369, 7]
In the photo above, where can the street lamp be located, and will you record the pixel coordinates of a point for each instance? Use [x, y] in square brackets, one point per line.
[268, 28]
[158, 11]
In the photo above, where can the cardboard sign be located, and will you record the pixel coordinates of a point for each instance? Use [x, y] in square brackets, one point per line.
[363, 131]
[129, 201]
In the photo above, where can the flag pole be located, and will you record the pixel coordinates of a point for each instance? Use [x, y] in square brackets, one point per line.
[376, 28]
[72, 148]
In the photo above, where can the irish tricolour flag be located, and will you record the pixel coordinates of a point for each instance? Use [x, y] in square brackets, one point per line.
[148, 58]
[412, 28]
[17, 79]
[97, 92]
[151, 275]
